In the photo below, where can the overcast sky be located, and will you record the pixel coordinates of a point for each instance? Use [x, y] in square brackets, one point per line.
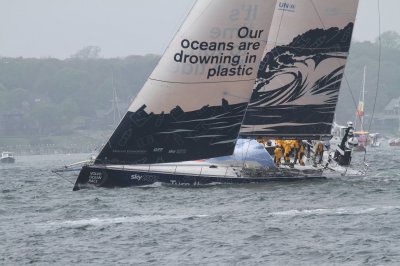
[59, 28]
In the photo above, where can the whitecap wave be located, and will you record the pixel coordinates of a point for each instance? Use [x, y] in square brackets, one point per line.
[335, 211]
[100, 221]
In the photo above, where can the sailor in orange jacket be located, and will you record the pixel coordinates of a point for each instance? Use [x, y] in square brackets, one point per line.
[278, 156]
[318, 151]
[287, 149]
[278, 142]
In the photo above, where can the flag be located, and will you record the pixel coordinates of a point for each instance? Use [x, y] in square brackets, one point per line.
[360, 109]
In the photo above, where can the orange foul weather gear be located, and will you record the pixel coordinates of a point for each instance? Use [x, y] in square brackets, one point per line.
[278, 156]
[319, 152]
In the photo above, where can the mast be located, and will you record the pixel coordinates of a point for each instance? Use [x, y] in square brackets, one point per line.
[361, 104]
[115, 102]
[363, 100]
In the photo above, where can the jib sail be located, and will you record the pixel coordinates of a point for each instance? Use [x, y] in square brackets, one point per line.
[194, 102]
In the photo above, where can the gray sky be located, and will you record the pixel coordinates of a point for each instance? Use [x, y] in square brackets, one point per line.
[59, 28]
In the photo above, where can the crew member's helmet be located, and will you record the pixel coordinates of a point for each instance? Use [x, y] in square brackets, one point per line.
[349, 124]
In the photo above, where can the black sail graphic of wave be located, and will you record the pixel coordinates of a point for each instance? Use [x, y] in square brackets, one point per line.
[144, 138]
[298, 85]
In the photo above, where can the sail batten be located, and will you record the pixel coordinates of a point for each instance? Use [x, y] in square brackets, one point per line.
[205, 77]
[205, 82]
[299, 78]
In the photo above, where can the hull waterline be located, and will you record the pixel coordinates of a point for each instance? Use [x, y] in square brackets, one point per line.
[103, 176]
[7, 160]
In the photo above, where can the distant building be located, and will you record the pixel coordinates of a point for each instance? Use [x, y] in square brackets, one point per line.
[393, 108]
[389, 120]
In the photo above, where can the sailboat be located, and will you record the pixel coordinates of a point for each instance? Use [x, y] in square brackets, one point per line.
[196, 101]
[361, 135]
[7, 157]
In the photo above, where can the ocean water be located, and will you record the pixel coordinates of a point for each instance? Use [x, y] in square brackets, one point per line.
[339, 221]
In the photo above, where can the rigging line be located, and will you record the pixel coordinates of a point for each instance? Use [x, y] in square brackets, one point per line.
[276, 41]
[378, 80]
[344, 75]
[319, 16]
[165, 50]
[379, 67]
[64, 178]
[349, 89]
[247, 153]
[154, 70]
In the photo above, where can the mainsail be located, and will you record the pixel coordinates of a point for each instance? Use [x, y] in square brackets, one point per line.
[194, 102]
[298, 81]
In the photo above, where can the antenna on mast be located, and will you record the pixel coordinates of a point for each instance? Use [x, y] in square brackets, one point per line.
[115, 100]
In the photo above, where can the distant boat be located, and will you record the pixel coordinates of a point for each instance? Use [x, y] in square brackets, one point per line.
[374, 137]
[361, 134]
[394, 142]
[7, 157]
[363, 141]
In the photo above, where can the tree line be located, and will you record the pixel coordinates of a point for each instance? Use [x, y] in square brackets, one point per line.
[52, 96]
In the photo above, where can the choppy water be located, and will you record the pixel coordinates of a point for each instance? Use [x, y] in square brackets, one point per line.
[339, 221]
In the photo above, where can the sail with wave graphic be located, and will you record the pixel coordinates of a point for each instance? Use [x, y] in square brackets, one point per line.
[299, 78]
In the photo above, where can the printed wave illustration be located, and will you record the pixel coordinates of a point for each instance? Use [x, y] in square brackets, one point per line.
[144, 138]
[298, 85]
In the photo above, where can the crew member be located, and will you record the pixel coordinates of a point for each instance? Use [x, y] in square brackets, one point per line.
[309, 148]
[278, 142]
[287, 149]
[348, 134]
[278, 156]
[300, 153]
[295, 147]
[318, 152]
[343, 151]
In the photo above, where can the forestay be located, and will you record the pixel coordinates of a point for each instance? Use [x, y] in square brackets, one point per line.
[298, 81]
[194, 102]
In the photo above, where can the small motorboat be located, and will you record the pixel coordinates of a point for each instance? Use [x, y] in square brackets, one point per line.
[7, 157]
[394, 142]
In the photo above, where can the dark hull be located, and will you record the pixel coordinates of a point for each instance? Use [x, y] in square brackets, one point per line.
[100, 176]
[7, 160]
[394, 144]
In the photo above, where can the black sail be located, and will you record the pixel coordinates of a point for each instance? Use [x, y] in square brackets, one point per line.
[194, 102]
[299, 78]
